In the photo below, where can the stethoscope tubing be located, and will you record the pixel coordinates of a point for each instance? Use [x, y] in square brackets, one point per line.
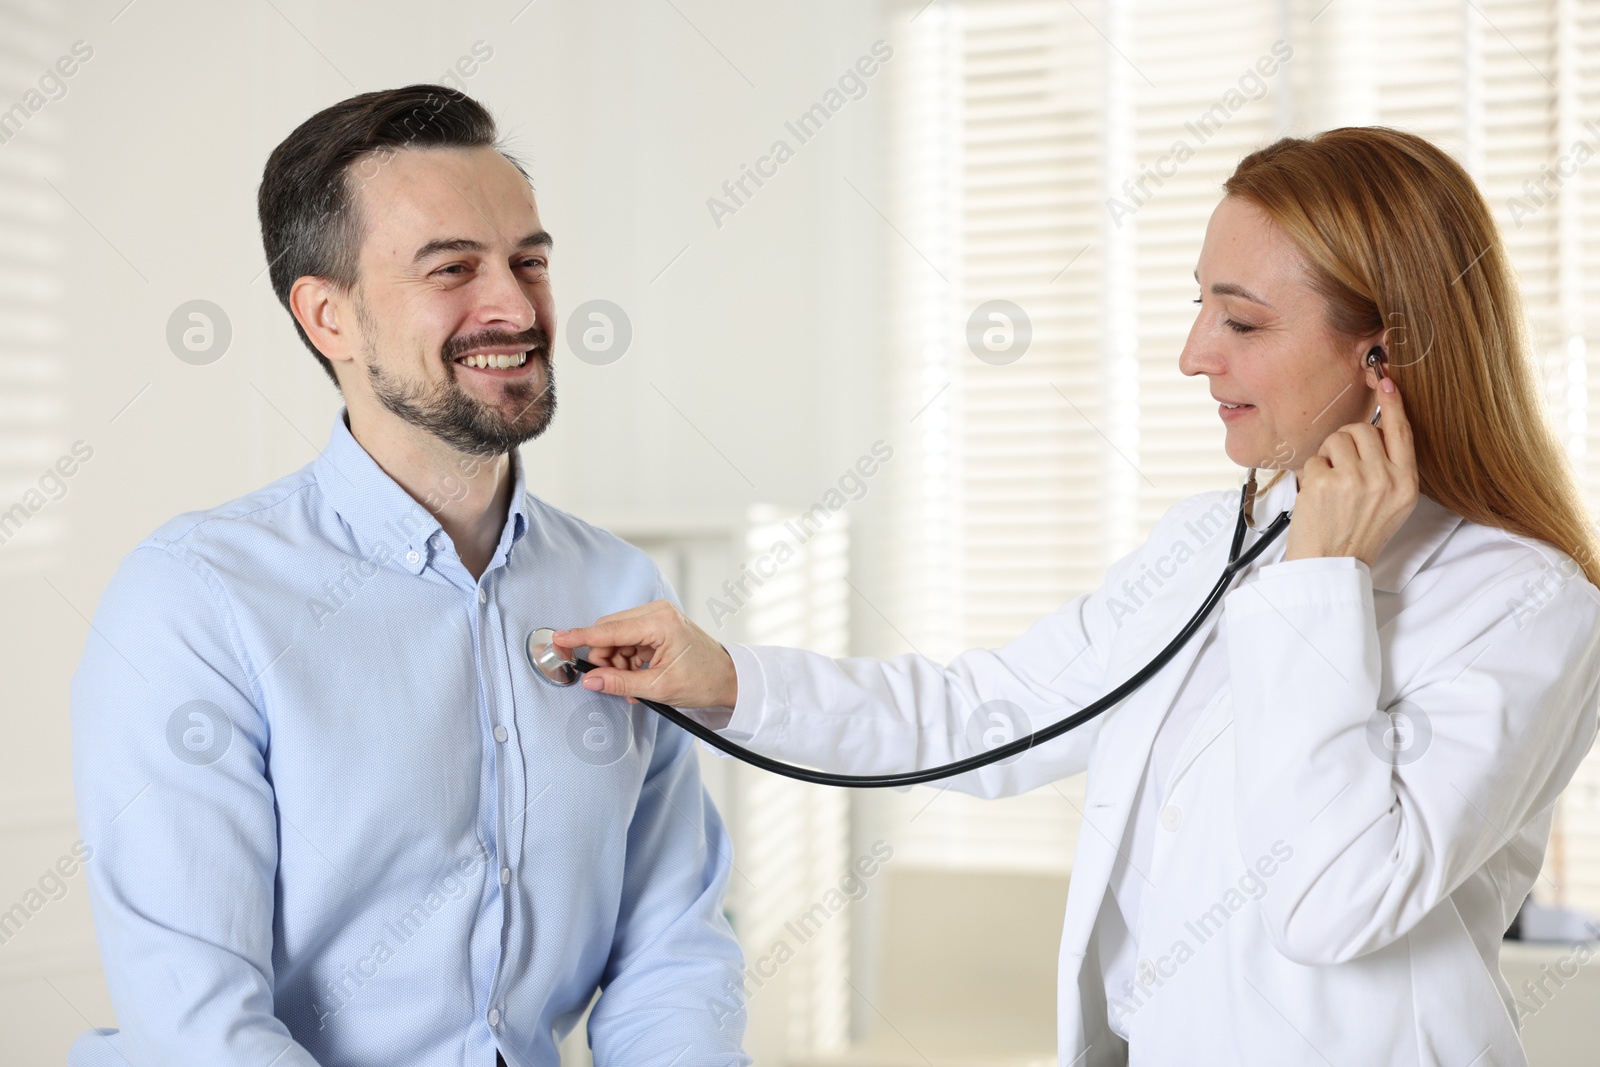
[1236, 563]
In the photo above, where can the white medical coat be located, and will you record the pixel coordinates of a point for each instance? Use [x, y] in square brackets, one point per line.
[1351, 828]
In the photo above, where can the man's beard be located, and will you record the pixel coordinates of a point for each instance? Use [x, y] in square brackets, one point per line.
[463, 422]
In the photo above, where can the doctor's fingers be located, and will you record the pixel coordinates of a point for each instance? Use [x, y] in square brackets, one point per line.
[626, 683]
[1364, 440]
[652, 608]
[1396, 425]
[1356, 450]
[644, 626]
[680, 679]
[627, 658]
[1371, 458]
[1338, 454]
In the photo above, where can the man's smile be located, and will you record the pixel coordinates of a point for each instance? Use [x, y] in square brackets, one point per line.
[498, 363]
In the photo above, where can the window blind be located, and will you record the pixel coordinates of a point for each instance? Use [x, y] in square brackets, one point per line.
[1016, 122]
[31, 295]
[998, 137]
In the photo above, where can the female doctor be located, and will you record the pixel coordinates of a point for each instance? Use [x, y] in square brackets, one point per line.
[1305, 835]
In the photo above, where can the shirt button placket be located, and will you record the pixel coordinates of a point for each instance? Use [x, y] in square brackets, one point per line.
[489, 629]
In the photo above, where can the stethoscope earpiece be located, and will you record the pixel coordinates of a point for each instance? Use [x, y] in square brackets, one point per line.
[1376, 358]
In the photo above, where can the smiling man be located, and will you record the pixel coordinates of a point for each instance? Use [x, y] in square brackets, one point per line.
[336, 818]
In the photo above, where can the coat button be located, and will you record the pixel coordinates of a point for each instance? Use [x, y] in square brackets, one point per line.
[1171, 817]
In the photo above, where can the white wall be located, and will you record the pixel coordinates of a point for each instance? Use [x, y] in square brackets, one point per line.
[764, 333]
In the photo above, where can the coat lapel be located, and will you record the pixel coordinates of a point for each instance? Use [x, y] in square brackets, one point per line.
[1125, 740]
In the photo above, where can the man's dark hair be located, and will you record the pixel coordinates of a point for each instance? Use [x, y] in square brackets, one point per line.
[308, 203]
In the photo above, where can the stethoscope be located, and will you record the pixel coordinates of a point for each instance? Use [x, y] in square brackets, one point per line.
[562, 671]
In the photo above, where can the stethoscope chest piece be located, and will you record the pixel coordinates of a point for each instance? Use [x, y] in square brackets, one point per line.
[547, 661]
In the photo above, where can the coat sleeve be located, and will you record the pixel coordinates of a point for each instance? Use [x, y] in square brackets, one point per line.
[1388, 809]
[873, 716]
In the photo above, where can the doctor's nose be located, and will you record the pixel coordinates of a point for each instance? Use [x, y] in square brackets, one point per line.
[1200, 359]
[1199, 355]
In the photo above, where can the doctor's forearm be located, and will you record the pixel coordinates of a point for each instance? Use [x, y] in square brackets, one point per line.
[1305, 667]
[1382, 835]
[870, 716]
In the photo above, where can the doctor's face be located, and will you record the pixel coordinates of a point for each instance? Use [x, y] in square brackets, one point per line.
[454, 271]
[1262, 340]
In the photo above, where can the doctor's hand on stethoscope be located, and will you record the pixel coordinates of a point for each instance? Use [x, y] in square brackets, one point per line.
[1360, 486]
[654, 651]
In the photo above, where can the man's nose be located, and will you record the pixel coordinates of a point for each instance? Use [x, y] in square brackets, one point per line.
[503, 303]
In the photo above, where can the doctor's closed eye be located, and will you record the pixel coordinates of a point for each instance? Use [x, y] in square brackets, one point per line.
[1234, 325]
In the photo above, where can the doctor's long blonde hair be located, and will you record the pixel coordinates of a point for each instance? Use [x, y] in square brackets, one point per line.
[1397, 236]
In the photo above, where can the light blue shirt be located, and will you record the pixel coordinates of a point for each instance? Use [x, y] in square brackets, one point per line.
[336, 819]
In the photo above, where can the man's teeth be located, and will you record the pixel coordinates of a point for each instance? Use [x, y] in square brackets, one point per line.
[498, 362]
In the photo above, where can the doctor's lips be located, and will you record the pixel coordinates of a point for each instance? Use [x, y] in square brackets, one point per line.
[1232, 409]
[501, 355]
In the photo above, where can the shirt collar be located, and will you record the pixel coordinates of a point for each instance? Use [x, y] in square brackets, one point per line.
[386, 522]
[517, 515]
[1425, 529]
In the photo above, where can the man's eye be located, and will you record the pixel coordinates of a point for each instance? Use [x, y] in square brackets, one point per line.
[453, 268]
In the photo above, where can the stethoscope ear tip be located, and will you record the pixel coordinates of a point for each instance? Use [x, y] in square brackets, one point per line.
[546, 661]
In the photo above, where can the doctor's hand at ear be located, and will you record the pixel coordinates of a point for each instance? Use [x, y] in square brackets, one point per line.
[1358, 489]
[654, 651]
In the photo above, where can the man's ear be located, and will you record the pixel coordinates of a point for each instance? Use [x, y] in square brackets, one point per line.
[324, 314]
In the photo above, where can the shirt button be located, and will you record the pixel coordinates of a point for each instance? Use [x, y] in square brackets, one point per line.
[494, 1016]
[412, 557]
[1147, 972]
[500, 733]
[483, 596]
[505, 875]
[1171, 817]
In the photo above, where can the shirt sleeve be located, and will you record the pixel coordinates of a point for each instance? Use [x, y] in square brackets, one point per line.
[1388, 809]
[672, 994]
[168, 772]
